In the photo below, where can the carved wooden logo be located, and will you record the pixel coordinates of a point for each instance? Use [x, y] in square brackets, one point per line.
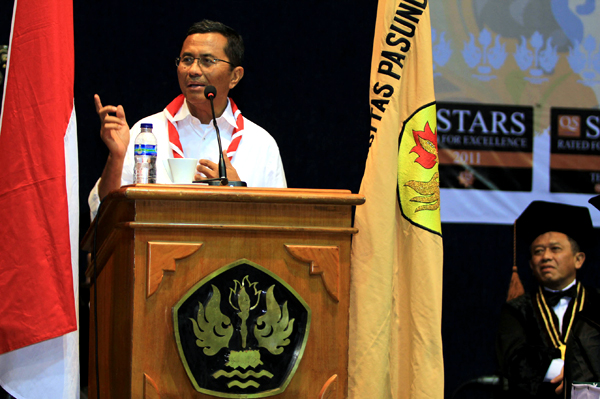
[241, 332]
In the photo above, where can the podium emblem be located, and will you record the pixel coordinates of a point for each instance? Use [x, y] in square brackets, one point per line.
[241, 332]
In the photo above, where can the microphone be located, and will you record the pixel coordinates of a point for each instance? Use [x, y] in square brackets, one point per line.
[210, 92]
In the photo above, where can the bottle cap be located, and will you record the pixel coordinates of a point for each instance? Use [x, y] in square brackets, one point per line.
[146, 125]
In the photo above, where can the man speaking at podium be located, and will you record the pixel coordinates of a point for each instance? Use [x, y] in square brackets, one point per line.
[211, 54]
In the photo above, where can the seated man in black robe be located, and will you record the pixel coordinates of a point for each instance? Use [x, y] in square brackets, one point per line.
[550, 338]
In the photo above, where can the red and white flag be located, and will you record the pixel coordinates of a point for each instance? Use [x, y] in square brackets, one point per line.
[39, 211]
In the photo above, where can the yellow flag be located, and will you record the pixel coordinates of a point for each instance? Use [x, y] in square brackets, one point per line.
[396, 291]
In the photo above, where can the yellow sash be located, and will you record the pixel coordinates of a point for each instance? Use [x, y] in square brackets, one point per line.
[553, 328]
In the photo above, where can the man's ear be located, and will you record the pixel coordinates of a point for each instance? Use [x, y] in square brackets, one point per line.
[579, 259]
[236, 75]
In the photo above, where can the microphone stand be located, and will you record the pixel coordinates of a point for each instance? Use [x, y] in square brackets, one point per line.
[222, 181]
[210, 92]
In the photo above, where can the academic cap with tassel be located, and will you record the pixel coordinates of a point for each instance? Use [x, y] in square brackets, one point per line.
[541, 217]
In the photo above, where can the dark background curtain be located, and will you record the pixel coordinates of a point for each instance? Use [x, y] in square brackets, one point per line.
[306, 81]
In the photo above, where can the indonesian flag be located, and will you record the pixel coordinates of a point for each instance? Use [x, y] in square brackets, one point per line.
[39, 212]
[396, 292]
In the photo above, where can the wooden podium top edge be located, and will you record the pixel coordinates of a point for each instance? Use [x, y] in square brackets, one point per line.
[204, 193]
[198, 192]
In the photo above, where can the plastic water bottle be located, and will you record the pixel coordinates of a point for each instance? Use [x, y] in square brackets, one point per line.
[145, 156]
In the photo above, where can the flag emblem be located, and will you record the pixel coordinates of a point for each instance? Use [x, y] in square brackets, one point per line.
[418, 176]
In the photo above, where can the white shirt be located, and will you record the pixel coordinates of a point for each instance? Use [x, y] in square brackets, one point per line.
[257, 160]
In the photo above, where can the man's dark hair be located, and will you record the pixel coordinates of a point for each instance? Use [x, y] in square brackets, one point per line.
[235, 45]
[574, 246]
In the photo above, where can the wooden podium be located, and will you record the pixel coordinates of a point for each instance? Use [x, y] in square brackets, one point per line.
[160, 248]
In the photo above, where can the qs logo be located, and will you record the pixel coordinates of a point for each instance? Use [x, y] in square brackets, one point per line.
[241, 332]
[569, 126]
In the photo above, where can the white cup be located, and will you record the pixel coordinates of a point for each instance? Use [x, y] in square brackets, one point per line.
[182, 170]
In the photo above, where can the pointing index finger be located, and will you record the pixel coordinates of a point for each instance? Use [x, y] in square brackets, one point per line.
[98, 103]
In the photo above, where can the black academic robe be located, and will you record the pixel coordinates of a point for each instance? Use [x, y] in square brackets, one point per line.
[525, 350]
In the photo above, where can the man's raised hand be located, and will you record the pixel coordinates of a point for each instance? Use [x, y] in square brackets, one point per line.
[114, 130]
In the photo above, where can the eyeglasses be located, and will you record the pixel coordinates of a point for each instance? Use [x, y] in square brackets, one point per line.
[203, 61]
